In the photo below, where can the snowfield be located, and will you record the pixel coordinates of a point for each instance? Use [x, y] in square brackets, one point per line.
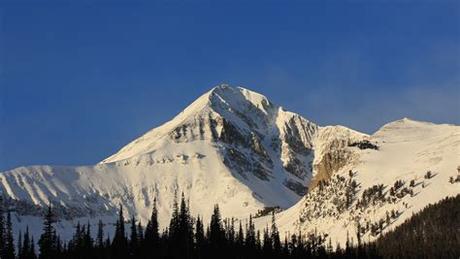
[235, 148]
[407, 151]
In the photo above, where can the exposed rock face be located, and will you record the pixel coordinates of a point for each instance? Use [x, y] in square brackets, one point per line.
[331, 162]
[297, 154]
[296, 187]
[334, 152]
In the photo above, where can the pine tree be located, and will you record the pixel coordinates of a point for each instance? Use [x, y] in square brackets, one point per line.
[285, 248]
[119, 243]
[9, 241]
[267, 248]
[275, 237]
[2, 227]
[358, 233]
[100, 245]
[174, 241]
[76, 244]
[251, 234]
[258, 242]
[152, 237]
[48, 240]
[88, 240]
[100, 235]
[216, 232]
[232, 233]
[199, 239]
[329, 248]
[19, 243]
[250, 240]
[186, 227]
[58, 246]
[134, 241]
[181, 231]
[32, 254]
[140, 236]
[240, 238]
[26, 251]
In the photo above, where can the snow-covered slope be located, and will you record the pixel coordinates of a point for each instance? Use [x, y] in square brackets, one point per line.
[231, 146]
[407, 150]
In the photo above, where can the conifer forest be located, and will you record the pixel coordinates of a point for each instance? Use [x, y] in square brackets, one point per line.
[432, 233]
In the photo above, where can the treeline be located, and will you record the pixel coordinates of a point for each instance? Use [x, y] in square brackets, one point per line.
[433, 232]
[189, 237]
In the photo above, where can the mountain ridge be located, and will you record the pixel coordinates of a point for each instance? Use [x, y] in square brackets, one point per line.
[230, 146]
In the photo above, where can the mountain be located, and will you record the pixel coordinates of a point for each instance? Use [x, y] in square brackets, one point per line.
[236, 148]
[409, 167]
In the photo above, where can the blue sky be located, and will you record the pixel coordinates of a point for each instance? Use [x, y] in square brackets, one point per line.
[78, 81]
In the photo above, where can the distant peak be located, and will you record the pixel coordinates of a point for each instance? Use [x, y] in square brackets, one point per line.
[407, 120]
[404, 123]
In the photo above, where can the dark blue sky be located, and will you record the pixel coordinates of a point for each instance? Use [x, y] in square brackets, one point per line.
[78, 81]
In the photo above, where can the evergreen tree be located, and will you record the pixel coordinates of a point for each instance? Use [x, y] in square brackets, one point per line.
[19, 243]
[358, 232]
[59, 247]
[48, 239]
[88, 240]
[75, 244]
[100, 244]
[285, 248]
[8, 239]
[216, 232]
[258, 242]
[251, 234]
[140, 240]
[134, 239]
[329, 248]
[120, 244]
[250, 239]
[174, 240]
[231, 235]
[239, 242]
[100, 235]
[267, 248]
[199, 239]
[32, 254]
[26, 251]
[275, 237]
[152, 237]
[2, 227]
[181, 231]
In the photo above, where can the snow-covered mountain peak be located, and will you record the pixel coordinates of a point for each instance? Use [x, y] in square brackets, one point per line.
[409, 129]
[406, 123]
[242, 106]
[220, 113]
[238, 97]
[230, 146]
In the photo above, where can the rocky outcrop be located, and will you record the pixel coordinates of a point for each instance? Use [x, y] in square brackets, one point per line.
[296, 187]
[334, 151]
[331, 162]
